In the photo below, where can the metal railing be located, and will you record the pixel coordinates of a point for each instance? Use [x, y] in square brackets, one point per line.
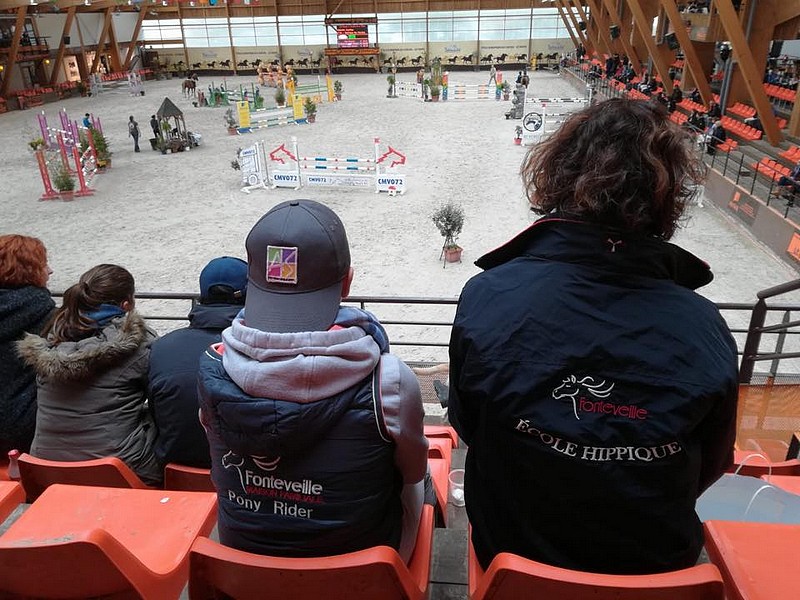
[419, 328]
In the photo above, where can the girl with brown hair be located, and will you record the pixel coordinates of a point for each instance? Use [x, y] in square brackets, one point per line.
[91, 366]
[25, 306]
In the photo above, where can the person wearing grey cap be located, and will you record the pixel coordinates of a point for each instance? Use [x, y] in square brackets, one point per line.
[315, 430]
[172, 372]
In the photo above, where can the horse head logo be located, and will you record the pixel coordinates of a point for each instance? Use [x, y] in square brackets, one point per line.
[235, 461]
[571, 388]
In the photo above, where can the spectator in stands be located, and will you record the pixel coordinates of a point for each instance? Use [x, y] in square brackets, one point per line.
[695, 96]
[714, 111]
[91, 367]
[174, 359]
[644, 84]
[754, 122]
[677, 94]
[595, 389]
[25, 306]
[304, 391]
[696, 122]
[789, 186]
[715, 136]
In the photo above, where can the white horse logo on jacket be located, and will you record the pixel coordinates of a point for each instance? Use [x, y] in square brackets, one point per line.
[571, 387]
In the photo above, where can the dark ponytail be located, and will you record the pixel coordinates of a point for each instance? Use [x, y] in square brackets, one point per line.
[103, 284]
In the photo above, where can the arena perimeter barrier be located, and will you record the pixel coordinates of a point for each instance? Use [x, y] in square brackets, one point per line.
[258, 170]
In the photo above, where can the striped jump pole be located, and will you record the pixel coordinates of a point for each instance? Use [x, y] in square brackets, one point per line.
[84, 189]
[49, 192]
[348, 171]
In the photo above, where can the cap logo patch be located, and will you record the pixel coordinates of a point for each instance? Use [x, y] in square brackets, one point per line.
[281, 264]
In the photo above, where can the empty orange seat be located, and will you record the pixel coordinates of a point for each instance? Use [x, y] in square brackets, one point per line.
[376, 573]
[748, 463]
[11, 496]
[432, 431]
[758, 561]
[512, 577]
[37, 474]
[84, 542]
[188, 479]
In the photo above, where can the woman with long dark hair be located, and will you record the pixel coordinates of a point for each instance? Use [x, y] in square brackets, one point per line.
[25, 306]
[595, 388]
[91, 366]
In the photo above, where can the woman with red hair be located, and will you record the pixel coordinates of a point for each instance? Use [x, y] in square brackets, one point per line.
[25, 306]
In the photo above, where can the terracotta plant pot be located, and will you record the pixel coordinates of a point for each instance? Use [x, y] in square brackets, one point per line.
[452, 255]
[518, 141]
[312, 118]
[67, 195]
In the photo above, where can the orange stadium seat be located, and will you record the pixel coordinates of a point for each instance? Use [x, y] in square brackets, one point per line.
[757, 560]
[187, 479]
[792, 154]
[86, 542]
[376, 573]
[788, 483]
[438, 431]
[38, 474]
[511, 577]
[755, 466]
[11, 496]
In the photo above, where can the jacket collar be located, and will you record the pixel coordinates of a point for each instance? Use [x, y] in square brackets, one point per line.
[560, 239]
[213, 316]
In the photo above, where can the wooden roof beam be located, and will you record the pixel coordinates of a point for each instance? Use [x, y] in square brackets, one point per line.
[101, 42]
[584, 39]
[624, 34]
[643, 25]
[752, 78]
[689, 52]
[19, 25]
[567, 24]
[601, 42]
[62, 46]
[134, 40]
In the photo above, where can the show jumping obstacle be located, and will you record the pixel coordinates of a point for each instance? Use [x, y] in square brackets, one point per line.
[270, 117]
[260, 169]
[67, 141]
[543, 116]
[317, 92]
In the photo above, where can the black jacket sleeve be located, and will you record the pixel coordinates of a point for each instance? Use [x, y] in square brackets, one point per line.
[462, 413]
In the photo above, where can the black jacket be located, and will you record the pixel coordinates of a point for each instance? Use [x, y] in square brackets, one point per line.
[172, 385]
[22, 310]
[597, 394]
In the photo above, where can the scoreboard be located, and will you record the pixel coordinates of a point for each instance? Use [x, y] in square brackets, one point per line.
[352, 36]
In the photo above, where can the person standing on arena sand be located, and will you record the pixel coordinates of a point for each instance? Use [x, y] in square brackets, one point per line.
[595, 388]
[492, 75]
[133, 131]
[303, 395]
[172, 375]
[25, 307]
[154, 126]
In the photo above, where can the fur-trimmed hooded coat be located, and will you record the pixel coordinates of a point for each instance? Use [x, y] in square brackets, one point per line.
[91, 396]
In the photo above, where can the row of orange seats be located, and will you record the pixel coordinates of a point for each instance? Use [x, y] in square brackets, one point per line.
[779, 92]
[678, 64]
[728, 145]
[688, 104]
[740, 129]
[742, 110]
[678, 117]
[770, 168]
[635, 94]
[792, 154]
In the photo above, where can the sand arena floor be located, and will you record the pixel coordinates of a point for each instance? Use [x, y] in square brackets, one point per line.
[164, 217]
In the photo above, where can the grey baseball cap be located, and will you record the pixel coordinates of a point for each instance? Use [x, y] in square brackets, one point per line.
[297, 258]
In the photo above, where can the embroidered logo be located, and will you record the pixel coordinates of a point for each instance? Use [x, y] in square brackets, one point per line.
[589, 396]
[281, 264]
[572, 387]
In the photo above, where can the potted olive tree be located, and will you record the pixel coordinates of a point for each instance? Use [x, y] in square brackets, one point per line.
[337, 89]
[435, 91]
[449, 220]
[311, 109]
[280, 97]
[390, 79]
[230, 122]
[506, 87]
[65, 183]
